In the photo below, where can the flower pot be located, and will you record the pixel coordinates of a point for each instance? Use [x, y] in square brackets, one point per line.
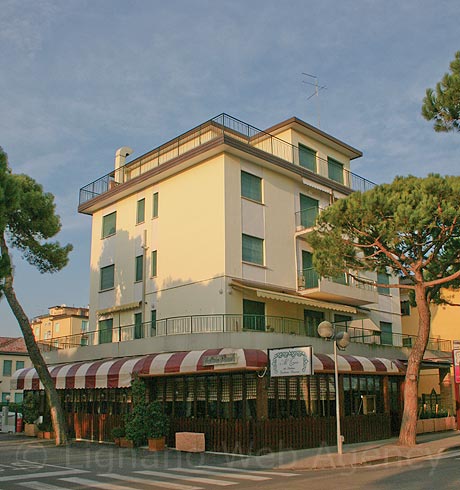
[48, 435]
[40, 434]
[156, 444]
[30, 430]
[126, 443]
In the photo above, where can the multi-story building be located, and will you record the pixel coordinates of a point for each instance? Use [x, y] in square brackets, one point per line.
[200, 264]
[61, 321]
[13, 356]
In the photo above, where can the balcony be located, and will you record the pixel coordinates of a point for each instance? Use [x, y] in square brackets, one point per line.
[305, 220]
[343, 289]
[258, 324]
[233, 130]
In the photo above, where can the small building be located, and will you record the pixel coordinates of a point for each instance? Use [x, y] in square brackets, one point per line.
[13, 356]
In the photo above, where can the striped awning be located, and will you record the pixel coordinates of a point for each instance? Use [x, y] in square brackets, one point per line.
[118, 373]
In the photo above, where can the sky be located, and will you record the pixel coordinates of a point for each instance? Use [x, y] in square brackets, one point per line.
[79, 79]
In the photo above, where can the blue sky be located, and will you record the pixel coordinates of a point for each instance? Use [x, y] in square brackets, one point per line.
[81, 78]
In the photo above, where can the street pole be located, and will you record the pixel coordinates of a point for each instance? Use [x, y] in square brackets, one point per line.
[337, 401]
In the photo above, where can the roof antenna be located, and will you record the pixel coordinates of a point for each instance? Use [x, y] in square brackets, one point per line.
[318, 87]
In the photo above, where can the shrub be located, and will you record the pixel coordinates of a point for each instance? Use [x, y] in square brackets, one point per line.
[156, 422]
[118, 432]
[30, 407]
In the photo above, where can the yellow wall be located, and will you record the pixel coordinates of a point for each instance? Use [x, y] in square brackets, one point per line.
[5, 380]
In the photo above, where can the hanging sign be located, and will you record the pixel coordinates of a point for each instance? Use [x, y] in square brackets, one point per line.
[291, 361]
[456, 357]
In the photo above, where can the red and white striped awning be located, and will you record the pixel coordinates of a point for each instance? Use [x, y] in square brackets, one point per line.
[118, 373]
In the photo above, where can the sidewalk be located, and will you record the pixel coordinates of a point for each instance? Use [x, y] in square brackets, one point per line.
[354, 454]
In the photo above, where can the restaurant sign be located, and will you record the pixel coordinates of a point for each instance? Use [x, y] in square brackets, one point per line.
[291, 361]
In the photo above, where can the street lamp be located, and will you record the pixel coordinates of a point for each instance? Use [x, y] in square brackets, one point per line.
[341, 341]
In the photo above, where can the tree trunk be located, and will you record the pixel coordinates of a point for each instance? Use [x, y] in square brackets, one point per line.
[57, 413]
[407, 434]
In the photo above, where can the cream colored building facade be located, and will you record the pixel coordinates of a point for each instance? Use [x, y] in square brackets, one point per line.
[60, 321]
[13, 356]
[214, 223]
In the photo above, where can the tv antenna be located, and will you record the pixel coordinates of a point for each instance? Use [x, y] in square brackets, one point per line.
[318, 88]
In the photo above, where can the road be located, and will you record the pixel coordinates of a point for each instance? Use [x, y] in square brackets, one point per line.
[39, 465]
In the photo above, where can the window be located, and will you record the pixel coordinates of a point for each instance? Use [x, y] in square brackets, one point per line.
[251, 186]
[308, 276]
[307, 157]
[105, 331]
[386, 333]
[312, 319]
[18, 397]
[107, 277]
[5, 397]
[153, 322]
[139, 264]
[154, 263]
[335, 170]
[37, 332]
[138, 331]
[57, 327]
[155, 206]
[253, 249]
[19, 365]
[405, 308]
[109, 224]
[343, 320]
[140, 215]
[7, 367]
[383, 278]
[308, 211]
[84, 325]
[253, 315]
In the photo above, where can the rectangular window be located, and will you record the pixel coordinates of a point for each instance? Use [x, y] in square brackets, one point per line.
[253, 315]
[19, 365]
[109, 224]
[154, 263]
[251, 186]
[7, 367]
[308, 211]
[308, 277]
[405, 308]
[153, 322]
[138, 330]
[312, 319]
[335, 170]
[107, 277]
[383, 278]
[386, 333]
[155, 205]
[84, 325]
[5, 397]
[18, 397]
[57, 327]
[253, 249]
[140, 215]
[307, 157]
[105, 331]
[139, 264]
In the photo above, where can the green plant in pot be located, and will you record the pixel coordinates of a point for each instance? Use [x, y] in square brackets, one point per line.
[156, 426]
[31, 412]
[117, 434]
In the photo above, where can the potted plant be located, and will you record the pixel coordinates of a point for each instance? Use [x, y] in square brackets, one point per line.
[30, 412]
[45, 430]
[156, 426]
[118, 433]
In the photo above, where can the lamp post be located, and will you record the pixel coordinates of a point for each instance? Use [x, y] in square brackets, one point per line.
[341, 341]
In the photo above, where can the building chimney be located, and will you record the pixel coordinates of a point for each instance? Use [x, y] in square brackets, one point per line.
[120, 159]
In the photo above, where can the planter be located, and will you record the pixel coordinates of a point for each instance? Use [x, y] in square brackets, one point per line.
[40, 434]
[435, 425]
[48, 435]
[116, 440]
[156, 444]
[126, 443]
[30, 430]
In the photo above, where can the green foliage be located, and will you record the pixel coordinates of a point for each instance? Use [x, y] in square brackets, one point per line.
[30, 406]
[429, 414]
[146, 420]
[118, 432]
[443, 104]
[28, 220]
[410, 227]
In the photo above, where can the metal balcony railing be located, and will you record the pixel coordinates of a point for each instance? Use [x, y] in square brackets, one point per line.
[206, 132]
[308, 278]
[203, 324]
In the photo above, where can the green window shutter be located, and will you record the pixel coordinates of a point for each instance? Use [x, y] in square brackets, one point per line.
[312, 319]
[307, 157]
[19, 365]
[308, 211]
[138, 330]
[139, 268]
[153, 322]
[109, 224]
[155, 205]
[107, 277]
[335, 170]
[18, 397]
[5, 397]
[7, 367]
[154, 263]
[383, 278]
[253, 315]
[105, 331]
[253, 249]
[140, 216]
[251, 186]
[386, 333]
[309, 275]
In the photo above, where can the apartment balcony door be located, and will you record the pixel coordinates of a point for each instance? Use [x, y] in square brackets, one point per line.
[312, 319]
[310, 276]
[308, 211]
